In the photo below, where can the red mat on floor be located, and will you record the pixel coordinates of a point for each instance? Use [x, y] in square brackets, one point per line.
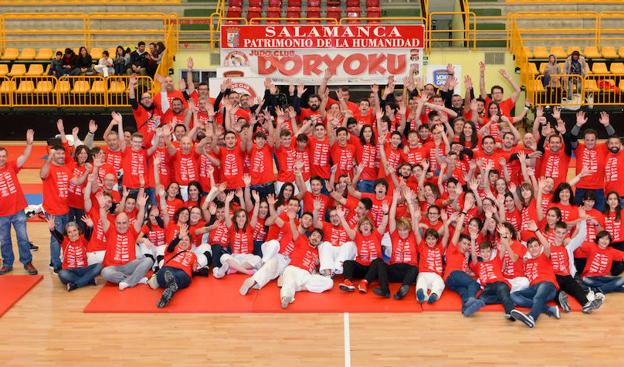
[13, 288]
[210, 295]
[450, 301]
[36, 156]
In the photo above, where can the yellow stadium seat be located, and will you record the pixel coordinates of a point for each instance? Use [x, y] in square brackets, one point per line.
[609, 53]
[25, 86]
[617, 68]
[592, 52]
[621, 86]
[99, 86]
[533, 68]
[7, 86]
[35, 70]
[117, 87]
[590, 85]
[559, 52]
[44, 54]
[599, 68]
[527, 51]
[539, 87]
[10, 54]
[17, 70]
[81, 86]
[62, 86]
[621, 52]
[27, 54]
[96, 53]
[112, 51]
[571, 49]
[44, 86]
[540, 52]
[4, 70]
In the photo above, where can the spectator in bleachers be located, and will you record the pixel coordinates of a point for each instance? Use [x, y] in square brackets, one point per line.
[105, 66]
[121, 60]
[69, 61]
[552, 83]
[575, 64]
[84, 63]
[154, 57]
[56, 65]
[138, 60]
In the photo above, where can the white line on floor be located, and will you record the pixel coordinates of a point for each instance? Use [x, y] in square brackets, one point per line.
[347, 341]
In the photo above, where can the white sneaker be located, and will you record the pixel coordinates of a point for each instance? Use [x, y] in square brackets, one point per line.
[143, 280]
[123, 285]
[153, 282]
[247, 285]
[218, 273]
[286, 301]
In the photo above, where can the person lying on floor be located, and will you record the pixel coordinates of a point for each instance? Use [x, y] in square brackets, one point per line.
[75, 273]
[178, 267]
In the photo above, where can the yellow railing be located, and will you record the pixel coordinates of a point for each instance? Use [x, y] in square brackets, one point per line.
[89, 2]
[574, 90]
[466, 36]
[70, 91]
[574, 2]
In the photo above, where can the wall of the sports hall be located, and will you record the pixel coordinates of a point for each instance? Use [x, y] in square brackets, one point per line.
[468, 59]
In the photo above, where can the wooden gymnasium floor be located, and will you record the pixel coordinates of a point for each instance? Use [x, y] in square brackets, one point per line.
[48, 327]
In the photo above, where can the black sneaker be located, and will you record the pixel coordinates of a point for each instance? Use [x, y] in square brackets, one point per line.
[33, 247]
[563, 302]
[524, 318]
[71, 286]
[402, 292]
[5, 269]
[203, 272]
[172, 287]
[382, 292]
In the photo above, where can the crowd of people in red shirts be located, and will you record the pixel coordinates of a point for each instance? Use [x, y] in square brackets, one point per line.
[419, 186]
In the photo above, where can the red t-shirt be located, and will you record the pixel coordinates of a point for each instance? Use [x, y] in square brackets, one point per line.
[366, 156]
[156, 235]
[241, 240]
[490, 272]
[308, 203]
[376, 212]
[164, 168]
[336, 235]
[614, 173]
[286, 162]
[219, 235]
[343, 158]
[430, 258]
[75, 197]
[595, 161]
[232, 166]
[404, 250]
[540, 270]
[553, 165]
[505, 106]
[305, 256]
[97, 242]
[510, 268]
[134, 166]
[304, 157]
[368, 247]
[599, 260]
[120, 247]
[560, 259]
[455, 260]
[261, 169]
[113, 158]
[74, 253]
[182, 259]
[185, 167]
[319, 153]
[12, 199]
[614, 227]
[56, 190]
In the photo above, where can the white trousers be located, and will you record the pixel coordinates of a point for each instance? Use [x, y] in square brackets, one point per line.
[104, 70]
[253, 260]
[430, 281]
[295, 279]
[518, 284]
[271, 269]
[95, 257]
[270, 249]
[332, 257]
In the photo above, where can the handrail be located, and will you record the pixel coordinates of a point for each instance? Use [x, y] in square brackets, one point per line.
[469, 34]
[89, 2]
[260, 19]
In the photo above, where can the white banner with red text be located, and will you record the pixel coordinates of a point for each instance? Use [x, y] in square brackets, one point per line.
[354, 54]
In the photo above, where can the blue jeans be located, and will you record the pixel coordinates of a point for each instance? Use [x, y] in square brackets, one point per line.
[600, 198]
[463, 284]
[264, 190]
[80, 276]
[18, 221]
[181, 278]
[366, 186]
[495, 293]
[55, 248]
[535, 298]
[607, 284]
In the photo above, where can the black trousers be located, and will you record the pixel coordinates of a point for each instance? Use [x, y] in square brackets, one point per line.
[395, 273]
[217, 251]
[617, 267]
[569, 285]
[497, 293]
[352, 269]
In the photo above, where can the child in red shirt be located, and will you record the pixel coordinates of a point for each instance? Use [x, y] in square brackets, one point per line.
[599, 259]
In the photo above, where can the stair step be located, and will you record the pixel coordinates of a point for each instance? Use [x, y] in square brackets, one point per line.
[487, 12]
[403, 12]
[198, 12]
[490, 26]
[491, 44]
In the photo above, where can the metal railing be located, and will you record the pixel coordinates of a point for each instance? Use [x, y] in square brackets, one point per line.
[70, 91]
[89, 2]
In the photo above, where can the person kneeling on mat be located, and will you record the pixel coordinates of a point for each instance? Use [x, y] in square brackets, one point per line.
[75, 272]
[301, 274]
[178, 267]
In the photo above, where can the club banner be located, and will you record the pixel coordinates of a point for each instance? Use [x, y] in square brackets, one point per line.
[254, 87]
[355, 54]
[437, 75]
